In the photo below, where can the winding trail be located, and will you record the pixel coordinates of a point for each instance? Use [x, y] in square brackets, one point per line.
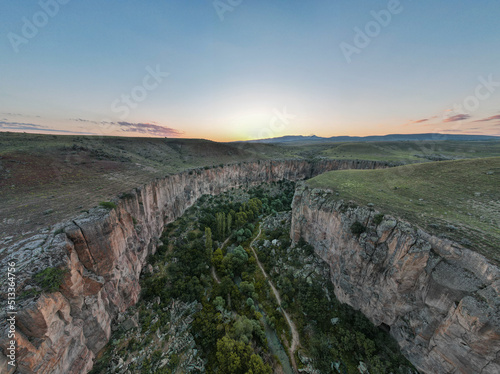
[214, 273]
[295, 333]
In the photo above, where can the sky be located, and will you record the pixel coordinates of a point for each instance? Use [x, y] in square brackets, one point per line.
[230, 70]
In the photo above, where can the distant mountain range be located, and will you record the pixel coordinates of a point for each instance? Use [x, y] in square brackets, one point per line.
[380, 138]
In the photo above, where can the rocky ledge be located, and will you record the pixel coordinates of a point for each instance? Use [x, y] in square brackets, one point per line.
[439, 300]
[102, 254]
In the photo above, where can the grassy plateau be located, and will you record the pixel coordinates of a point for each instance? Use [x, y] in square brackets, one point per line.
[45, 179]
[456, 199]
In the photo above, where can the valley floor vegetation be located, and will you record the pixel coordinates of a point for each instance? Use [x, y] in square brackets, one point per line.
[207, 307]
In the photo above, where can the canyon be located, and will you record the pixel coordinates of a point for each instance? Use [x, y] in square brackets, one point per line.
[103, 253]
[439, 300]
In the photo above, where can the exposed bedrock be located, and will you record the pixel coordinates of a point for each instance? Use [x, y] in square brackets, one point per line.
[104, 253]
[440, 300]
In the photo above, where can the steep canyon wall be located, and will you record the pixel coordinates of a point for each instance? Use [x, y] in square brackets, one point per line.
[440, 300]
[104, 253]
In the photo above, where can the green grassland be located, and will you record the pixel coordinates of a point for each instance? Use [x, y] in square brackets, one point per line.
[403, 152]
[45, 179]
[161, 154]
[456, 199]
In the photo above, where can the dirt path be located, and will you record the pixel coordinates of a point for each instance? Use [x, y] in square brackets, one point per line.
[214, 273]
[295, 333]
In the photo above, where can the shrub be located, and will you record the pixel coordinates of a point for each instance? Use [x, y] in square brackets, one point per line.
[50, 279]
[357, 228]
[108, 205]
[58, 231]
[378, 219]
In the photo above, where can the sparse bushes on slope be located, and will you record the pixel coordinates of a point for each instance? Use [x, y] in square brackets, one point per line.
[357, 228]
[108, 205]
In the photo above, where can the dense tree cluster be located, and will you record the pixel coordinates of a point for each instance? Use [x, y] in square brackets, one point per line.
[237, 357]
[331, 331]
[236, 303]
[227, 217]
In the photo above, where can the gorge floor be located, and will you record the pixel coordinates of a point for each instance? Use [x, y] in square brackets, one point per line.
[188, 322]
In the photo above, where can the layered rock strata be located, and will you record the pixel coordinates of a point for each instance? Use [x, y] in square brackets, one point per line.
[103, 253]
[441, 301]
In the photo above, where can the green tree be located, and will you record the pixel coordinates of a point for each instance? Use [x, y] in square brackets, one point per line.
[229, 223]
[240, 235]
[235, 357]
[242, 329]
[255, 205]
[226, 284]
[248, 233]
[208, 240]
[257, 366]
[219, 303]
[231, 355]
[217, 258]
[247, 288]
[239, 258]
[241, 219]
[220, 222]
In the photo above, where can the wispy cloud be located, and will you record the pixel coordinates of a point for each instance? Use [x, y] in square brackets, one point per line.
[418, 121]
[489, 118]
[149, 128]
[21, 126]
[458, 117]
[12, 114]
[415, 122]
[152, 128]
[84, 120]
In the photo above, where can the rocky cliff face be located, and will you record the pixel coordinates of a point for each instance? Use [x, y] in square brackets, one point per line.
[103, 253]
[440, 300]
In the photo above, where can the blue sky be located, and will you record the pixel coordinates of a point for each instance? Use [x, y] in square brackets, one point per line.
[257, 69]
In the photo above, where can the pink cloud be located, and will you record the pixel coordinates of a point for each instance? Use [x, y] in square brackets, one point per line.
[149, 128]
[458, 117]
[489, 118]
[419, 121]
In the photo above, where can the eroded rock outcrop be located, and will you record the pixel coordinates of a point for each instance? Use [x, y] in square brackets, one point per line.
[103, 253]
[440, 300]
